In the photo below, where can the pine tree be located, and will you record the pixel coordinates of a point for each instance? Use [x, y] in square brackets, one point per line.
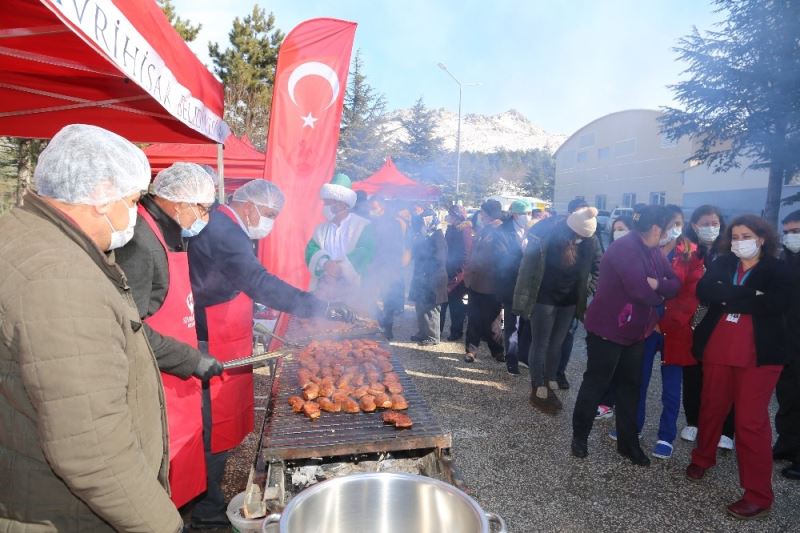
[422, 145]
[247, 69]
[743, 96]
[184, 27]
[362, 137]
[540, 178]
[418, 154]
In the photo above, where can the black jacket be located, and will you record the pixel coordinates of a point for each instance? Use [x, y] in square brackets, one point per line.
[144, 262]
[792, 318]
[222, 263]
[429, 281]
[771, 277]
[456, 249]
[508, 256]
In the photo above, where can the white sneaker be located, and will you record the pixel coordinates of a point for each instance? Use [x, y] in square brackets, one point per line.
[725, 443]
[689, 433]
[553, 385]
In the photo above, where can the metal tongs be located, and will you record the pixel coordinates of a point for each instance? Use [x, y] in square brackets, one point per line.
[256, 358]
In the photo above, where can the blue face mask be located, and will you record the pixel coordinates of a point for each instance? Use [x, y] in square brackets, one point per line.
[194, 230]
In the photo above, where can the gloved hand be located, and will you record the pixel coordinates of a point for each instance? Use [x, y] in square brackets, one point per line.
[339, 311]
[207, 368]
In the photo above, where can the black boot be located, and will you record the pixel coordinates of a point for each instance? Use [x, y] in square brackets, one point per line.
[579, 448]
[636, 456]
[792, 472]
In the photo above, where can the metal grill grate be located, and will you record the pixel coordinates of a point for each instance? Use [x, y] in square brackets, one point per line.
[290, 435]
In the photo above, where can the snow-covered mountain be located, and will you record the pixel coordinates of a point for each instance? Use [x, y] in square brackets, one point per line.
[509, 130]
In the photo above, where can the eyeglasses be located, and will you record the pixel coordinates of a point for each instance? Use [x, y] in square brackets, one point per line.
[204, 209]
[266, 211]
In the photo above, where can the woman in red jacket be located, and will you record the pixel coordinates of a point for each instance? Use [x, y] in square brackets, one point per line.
[741, 343]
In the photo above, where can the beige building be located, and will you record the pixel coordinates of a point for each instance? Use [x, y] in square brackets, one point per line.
[620, 160]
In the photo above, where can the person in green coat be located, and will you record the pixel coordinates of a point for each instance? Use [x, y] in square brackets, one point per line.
[553, 287]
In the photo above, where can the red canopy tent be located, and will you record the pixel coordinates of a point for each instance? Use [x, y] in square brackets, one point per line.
[242, 160]
[393, 184]
[117, 64]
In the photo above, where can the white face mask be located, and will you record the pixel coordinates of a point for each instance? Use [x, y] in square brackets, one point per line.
[620, 233]
[328, 212]
[262, 230]
[120, 238]
[671, 235]
[707, 234]
[792, 242]
[746, 249]
[523, 221]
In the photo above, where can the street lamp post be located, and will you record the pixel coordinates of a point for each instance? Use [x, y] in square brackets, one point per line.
[458, 131]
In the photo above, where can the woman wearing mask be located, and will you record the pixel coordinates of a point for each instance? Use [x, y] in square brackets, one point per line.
[672, 336]
[635, 278]
[551, 289]
[621, 227]
[703, 230]
[741, 343]
[429, 281]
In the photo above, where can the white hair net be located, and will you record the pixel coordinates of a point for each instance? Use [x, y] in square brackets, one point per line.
[260, 192]
[184, 182]
[89, 165]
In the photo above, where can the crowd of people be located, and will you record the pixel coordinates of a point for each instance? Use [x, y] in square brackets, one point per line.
[120, 299]
[712, 305]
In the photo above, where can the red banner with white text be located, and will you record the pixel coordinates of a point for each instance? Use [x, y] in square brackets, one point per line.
[310, 83]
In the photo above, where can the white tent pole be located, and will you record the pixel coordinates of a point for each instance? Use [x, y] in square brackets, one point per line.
[220, 174]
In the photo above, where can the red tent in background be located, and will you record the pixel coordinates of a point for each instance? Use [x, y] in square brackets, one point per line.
[390, 182]
[242, 161]
[117, 64]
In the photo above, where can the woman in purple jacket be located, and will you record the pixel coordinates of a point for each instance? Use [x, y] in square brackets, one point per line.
[635, 278]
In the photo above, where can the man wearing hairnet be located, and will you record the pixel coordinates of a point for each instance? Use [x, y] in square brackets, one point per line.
[83, 434]
[157, 266]
[226, 278]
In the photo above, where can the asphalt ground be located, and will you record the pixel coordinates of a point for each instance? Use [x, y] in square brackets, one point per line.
[516, 461]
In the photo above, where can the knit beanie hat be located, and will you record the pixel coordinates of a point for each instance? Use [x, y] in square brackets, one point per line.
[493, 209]
[520, 207]
[583, 221]
[339, 189]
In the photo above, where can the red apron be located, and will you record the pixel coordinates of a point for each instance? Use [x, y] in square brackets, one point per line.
[230, 336]
[175, 318]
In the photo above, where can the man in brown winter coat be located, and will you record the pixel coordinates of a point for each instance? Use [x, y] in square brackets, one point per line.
[82, 427]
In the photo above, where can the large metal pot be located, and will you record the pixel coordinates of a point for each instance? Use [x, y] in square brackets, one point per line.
[383, 503]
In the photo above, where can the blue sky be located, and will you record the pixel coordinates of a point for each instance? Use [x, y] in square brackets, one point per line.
[562, 63]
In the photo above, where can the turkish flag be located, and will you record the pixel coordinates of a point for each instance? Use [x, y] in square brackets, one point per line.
[310, 83]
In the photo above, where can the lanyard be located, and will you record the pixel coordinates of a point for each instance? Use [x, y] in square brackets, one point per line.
[737, 281]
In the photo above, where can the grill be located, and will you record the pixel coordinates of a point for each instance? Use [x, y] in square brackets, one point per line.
[291, 436]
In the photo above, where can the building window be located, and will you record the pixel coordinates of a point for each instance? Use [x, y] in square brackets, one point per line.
[586, 140]
[583, 156]
[604, 153]
[629, 199]
[567, 158]
[624, 148]
[658, 198]
[600, 202]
